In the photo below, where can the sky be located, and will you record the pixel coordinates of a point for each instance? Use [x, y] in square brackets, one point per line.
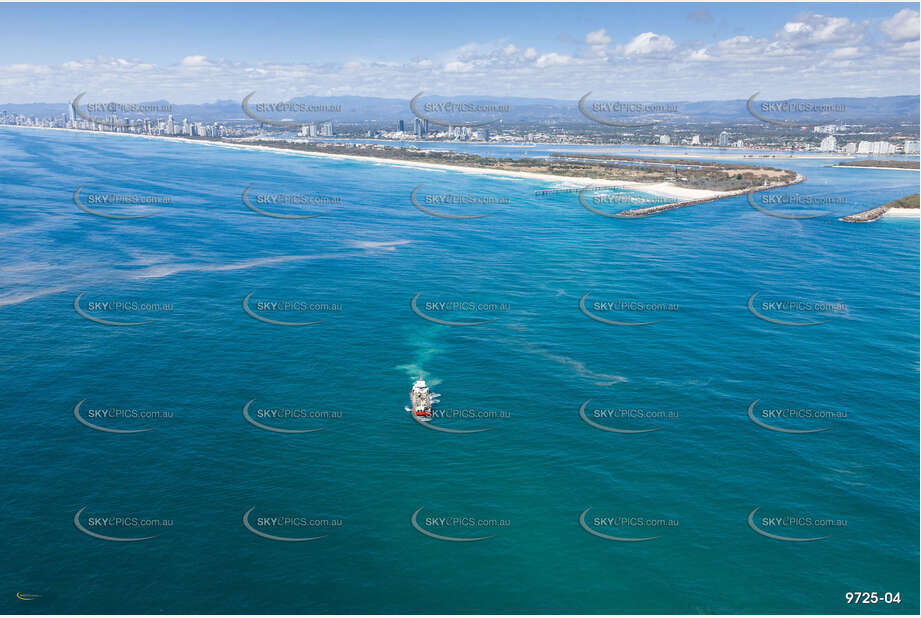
[198, 53]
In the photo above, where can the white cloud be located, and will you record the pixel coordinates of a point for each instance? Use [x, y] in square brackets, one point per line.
[811, 55]
[844, 53]
[458, 67]
[903, 26]
[812, 29]
[700, 55]
[195, 61]
[552, 59]
[598, 38]
[649, 43]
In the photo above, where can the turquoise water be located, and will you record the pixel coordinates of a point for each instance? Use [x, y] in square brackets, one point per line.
[524, 482]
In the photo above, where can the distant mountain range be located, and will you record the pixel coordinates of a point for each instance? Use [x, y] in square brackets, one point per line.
[904, 109]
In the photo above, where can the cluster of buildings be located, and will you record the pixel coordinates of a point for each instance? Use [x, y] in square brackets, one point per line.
[834, 128]
[722, 142]
[884, 147]
[111, 123]
[144, 126]
[317, 129]
[421, 130]
[830, 144]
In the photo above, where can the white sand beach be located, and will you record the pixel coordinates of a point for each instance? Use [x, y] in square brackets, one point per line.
[903, 212]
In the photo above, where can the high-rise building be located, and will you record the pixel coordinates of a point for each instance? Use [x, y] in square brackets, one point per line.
[851, 148]
[724, 138]
[665, 140]
[874, 148]
[695, 141]
[912, 147]
[402, 127]
[420, 127]
[829, 144]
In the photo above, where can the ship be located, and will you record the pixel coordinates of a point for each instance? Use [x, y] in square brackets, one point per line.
[421, 400]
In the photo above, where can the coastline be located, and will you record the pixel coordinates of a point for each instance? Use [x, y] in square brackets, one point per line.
[873, 167]
[902, 212]
[874, 214]
[651, 210]
[685, 196]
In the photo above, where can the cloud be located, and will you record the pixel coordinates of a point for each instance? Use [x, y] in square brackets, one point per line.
[598, 37]
[809, 55]
[195, 61]
[903, 26]
[812, 29]
[598, 42]
[702, 16]
[700, 55]
[844, 53]
[649, 43]
[552, 59]
[458, 67]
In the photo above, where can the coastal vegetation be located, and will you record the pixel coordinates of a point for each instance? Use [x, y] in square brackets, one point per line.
[728, 177]
[902, 164]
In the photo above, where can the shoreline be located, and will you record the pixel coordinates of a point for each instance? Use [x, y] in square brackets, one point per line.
[651, 210]
[903, 212]
[685, 196]
[876, 167]
[875, 214]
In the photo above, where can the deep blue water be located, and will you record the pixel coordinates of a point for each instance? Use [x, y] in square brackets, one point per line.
[202, 358]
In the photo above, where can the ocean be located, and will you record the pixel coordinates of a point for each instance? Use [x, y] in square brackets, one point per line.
[767, 366]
